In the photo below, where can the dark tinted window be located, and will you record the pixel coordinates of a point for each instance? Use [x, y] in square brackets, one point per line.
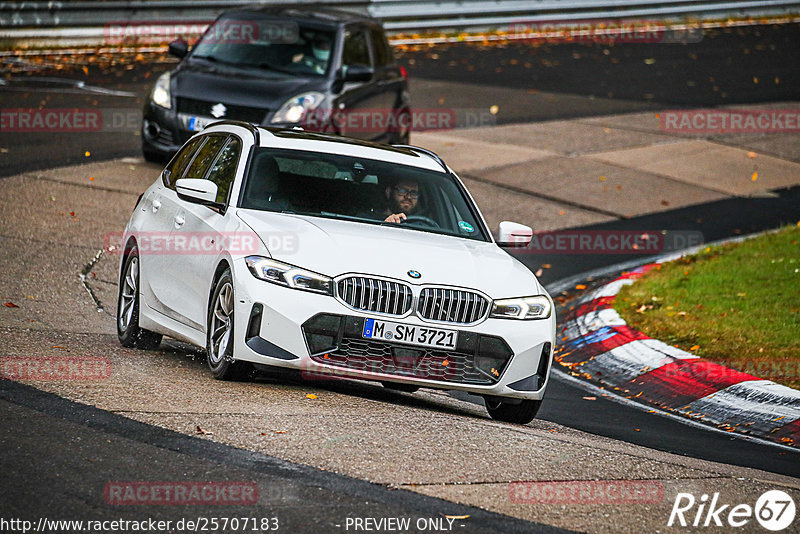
[356, 49]
[383, 54]
[274, 45]
[223, 171]
[334, 186]
[177, 166]
[205, 156]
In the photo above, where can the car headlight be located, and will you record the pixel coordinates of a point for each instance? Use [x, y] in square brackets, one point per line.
[287, 275]
[296, 108]
[538, 307]
[161, 95]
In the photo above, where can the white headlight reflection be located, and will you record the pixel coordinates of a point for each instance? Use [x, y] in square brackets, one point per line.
[161, 95]
[288, 275]
[525, 308]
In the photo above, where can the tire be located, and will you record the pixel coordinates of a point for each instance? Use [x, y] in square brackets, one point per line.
[521, 414]
[220, 333]
[129, 332]
[405, 388]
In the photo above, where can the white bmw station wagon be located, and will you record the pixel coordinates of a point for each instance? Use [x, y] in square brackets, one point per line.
[336, 257]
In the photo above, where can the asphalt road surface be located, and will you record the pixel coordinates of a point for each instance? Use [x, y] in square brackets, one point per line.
[727, 66]
[756, 64]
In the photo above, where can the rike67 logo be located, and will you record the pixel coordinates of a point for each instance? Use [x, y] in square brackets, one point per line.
[774, 510]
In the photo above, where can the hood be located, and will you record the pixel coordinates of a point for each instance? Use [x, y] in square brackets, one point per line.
[332, 247]
[250, 87]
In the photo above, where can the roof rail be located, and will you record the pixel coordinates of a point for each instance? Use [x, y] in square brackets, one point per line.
[434, 156]
[247, 125]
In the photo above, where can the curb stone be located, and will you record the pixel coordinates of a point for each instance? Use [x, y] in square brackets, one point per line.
[598, 345]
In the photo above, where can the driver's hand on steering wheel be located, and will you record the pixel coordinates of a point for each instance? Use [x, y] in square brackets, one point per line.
[396, 218]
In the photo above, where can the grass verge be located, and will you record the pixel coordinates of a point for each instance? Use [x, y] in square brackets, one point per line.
[735, 304]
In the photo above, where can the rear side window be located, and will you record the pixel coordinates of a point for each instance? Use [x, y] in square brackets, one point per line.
[383, 53]
[205, 156]
[223, 171]
[356, 49]
[177, 166]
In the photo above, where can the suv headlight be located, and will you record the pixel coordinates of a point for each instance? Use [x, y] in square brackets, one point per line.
[161, 96]
[287, 275]
[296, 108]
[526, 308]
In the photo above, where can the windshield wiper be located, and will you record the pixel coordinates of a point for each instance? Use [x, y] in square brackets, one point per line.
[209, 58]
[215, 59]
[269, 66]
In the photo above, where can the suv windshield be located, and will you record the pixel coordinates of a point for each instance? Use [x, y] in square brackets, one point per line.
[359, 189]
[271, 44]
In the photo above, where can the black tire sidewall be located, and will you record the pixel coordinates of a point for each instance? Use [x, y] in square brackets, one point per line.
[129, 336]
[220, 370]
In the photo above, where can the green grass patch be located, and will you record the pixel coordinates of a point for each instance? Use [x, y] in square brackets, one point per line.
[736, 304]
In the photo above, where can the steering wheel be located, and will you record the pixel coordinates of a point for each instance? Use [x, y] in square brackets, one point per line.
[422, 219]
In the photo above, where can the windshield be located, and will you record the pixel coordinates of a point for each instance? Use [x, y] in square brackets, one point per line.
[360, 190]
[271, 44]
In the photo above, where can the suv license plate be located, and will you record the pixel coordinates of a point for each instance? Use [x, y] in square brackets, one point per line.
[422, 336]
[198, 123]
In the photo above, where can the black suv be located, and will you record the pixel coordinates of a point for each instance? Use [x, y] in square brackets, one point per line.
[320, 69]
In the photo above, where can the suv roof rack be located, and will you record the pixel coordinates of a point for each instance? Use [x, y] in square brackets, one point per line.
[433, 155]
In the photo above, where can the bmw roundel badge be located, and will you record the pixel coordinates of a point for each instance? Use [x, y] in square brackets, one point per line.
[414, 274]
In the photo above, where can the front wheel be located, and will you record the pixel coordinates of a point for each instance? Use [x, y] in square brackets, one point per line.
[521, 414]
[219, 340]
[129, 332]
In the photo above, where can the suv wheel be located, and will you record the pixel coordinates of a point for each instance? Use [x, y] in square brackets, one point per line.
[521, 414]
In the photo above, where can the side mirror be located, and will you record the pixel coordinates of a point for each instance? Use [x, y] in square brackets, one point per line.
[358, 73]
[513, 234]
[179, 48]
[197, 190]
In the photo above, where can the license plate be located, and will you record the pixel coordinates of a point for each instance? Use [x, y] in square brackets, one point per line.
[422, 336]
[198, 123]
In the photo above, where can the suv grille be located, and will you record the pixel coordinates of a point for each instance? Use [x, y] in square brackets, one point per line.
[375, 295]
[236, 113]
[451, 305]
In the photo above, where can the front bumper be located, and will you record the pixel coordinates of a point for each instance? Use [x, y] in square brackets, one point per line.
[163, 130]
[322, 338]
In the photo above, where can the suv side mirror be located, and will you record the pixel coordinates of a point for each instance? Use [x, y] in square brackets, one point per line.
[179, 48]
[513, 234]
[197, 190]
[358, 73]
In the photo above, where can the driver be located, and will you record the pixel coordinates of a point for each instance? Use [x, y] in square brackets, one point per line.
[320, 53]
[402, 199]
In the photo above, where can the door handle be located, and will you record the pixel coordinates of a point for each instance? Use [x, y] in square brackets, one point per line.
[156, 205]
[179, 220]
